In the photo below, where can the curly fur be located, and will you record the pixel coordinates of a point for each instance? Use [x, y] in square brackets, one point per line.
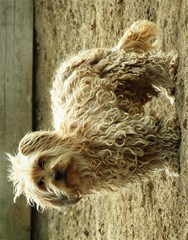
[105, 135]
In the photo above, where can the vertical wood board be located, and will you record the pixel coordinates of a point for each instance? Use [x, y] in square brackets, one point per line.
[16, 43]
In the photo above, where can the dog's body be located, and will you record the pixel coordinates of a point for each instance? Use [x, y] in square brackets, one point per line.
[104, 137]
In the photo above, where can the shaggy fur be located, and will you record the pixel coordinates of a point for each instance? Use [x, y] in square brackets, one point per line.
[105, 136]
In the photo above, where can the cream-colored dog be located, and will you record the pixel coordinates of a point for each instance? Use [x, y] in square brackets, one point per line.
[104, 135]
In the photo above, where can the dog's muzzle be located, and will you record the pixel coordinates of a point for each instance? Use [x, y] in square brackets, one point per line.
[59, 175]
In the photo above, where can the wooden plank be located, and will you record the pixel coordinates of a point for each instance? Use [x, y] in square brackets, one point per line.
[16, 42]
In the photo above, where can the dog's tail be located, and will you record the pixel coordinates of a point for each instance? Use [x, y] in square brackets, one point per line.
[142, 36]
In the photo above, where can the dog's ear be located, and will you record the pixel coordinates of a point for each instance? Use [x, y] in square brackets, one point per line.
[25, 146]
[54, 202]
[34, 141]
[63, 201]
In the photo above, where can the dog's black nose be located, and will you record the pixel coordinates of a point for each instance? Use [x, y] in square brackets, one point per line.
[59, 175]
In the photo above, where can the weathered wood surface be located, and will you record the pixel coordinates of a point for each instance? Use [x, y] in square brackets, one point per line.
[16, 40]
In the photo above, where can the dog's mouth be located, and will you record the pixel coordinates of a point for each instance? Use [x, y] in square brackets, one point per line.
[72, 183]
[67, 181]
[68, 178]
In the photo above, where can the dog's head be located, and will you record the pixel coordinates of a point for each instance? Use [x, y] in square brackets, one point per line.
[46, 170]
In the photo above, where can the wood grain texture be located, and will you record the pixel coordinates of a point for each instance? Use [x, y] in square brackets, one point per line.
[16, 42]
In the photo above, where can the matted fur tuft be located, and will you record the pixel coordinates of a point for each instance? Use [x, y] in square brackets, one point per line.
[105, 135]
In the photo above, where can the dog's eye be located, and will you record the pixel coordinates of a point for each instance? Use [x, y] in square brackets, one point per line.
[41, 163]
[41, 183]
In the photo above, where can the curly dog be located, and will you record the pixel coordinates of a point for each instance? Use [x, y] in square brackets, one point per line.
[106, 135]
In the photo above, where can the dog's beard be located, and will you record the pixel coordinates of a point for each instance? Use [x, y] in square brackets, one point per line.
[67, 177]
[58, 179]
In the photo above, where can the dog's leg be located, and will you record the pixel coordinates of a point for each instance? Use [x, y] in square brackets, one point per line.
[161, 69]
[139, 77]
